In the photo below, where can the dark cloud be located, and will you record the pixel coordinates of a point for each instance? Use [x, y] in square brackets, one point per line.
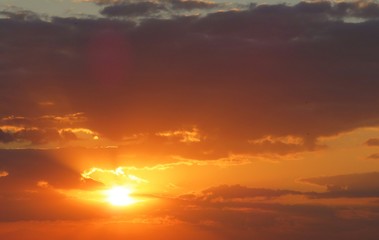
[107, 2]
[29, 190]
[227, 193]
[27, 167]
[365, 9]
[147, 8]
[313, 7]
[344, 9]
[68, 135]
[44, 204]
[131, 9]
[238, 191]
[235, 212]
[41, 130]
[68, 120]
[190, 5]
[372, 142]
[6, 137]
[349, 185]
[344, 186]
[373, 156]
[289, 63]
[37, 136]
[21, 15]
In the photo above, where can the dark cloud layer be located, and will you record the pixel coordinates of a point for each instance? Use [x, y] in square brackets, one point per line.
[374, 156]
[40, 130]
[146, 8]
[372, 142]
[362, 185]
[237, 191]
[238, 76]
[190, 5]
[21, 15]
[233, 212]
[27, 167]
[131, 9]
[349, 185]
[29, 189]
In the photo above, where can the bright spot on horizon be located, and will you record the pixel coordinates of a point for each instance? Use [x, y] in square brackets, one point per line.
[119, 196]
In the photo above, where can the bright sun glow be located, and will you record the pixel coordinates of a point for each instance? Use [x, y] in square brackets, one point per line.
[119, 196]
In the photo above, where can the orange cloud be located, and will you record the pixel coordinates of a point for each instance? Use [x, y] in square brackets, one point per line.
[293, 140]
[186, 136]
[112, 177]
[3, 173]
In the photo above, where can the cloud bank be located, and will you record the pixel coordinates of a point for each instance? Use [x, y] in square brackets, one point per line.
[161, 75]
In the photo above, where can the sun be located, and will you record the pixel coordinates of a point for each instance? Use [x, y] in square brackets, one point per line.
[119, 196]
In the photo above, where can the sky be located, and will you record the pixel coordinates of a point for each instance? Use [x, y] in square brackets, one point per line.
[174, 119]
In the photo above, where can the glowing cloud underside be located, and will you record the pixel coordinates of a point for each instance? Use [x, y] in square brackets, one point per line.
[3, 173]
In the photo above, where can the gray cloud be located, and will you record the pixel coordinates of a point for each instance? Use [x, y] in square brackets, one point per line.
[23, 198]
[372, 142]
[6, 137]
[349, 185]
[20, 15]
[132, 9]
[237, 191]
[73, 120]
[373, 156]
[289, 63]
[42, 129]
[190, 5]
[107, 2]
[233, 212]
[27, 167]
[147, 8]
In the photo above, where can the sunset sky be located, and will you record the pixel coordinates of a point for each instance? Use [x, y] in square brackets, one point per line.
[189, 119]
